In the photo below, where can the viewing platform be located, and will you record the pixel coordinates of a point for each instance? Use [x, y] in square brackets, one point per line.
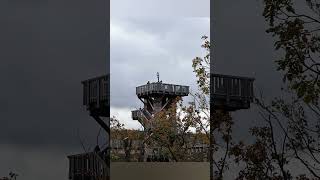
[156, 96]
[231, 93]
[159, 88]
[96, 95]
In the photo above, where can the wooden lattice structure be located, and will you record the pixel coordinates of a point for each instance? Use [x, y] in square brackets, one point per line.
[94, 165]
[155, 96]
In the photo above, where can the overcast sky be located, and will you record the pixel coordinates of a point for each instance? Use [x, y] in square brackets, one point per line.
[140, 47]
[157, 36]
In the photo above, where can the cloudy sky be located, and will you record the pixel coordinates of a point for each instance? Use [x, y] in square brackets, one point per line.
[157, 36]
[140, 47]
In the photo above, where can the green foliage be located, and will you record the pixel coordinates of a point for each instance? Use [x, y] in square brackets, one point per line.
[201, 67]
[172, 132]
[290, 133]
[297, 36]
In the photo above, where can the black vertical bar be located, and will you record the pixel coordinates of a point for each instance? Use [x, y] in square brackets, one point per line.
[107, 54]
[98, 92]
[212, 12]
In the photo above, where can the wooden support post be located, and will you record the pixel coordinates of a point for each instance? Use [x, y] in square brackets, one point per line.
[100, 122]
[105, 160]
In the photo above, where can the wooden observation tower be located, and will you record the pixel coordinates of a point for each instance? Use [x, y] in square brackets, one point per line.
[94, 165]
[155, 96]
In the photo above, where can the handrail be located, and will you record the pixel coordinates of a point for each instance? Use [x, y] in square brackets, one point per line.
[232, 86]
[87, 165]
[230, 76]
[161, 87]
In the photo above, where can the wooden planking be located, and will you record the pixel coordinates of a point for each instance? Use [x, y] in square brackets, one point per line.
[96, 90]
[87, 166]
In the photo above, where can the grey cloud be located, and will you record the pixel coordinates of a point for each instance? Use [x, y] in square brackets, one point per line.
[167, 8]
[172, 50]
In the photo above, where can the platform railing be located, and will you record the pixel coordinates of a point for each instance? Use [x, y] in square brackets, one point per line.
[95, 91]
[162, 88]
[232, 86]
[88, 166]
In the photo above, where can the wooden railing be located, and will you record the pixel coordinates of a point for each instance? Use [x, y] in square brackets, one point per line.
[231, 92]
[88, 166]
[96, 92]
[232, 86]
[159, 87]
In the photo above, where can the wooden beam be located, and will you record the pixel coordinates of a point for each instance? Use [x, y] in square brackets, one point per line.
[100, 122]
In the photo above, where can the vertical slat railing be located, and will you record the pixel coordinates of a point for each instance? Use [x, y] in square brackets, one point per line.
[95, 90]
[87, 165]
[232, 86]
